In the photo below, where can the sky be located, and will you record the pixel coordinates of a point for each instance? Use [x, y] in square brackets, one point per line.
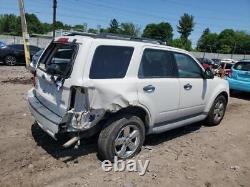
[214, 14]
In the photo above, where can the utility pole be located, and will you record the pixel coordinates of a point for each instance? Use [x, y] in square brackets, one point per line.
[24, 33]
[54, 17]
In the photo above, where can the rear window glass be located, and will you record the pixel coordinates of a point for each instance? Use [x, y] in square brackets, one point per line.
[110, 62]
[243, 66]
[60, 54]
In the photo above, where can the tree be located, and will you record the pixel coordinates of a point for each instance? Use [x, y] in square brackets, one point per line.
[33, 23]
[186, 25]
[94, 31]
[242, 42]
[10, 24]
[182, 43]
[162, 31]
[78, 27]
[208, 41]
[226, 41]
[113, 26]
[129, 29]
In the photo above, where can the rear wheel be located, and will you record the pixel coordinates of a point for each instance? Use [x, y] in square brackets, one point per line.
[217, 111]
[10, 60]
[123, 137]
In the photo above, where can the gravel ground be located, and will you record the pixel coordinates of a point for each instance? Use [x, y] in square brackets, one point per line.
[191, 156]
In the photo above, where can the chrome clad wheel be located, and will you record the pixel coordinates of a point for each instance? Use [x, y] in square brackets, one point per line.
[127, 141]
[122, 136]
[219, 110]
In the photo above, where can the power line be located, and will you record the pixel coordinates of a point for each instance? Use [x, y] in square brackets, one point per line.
[138, 13]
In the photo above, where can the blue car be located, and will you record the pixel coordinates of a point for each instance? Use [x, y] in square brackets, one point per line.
[239, 77]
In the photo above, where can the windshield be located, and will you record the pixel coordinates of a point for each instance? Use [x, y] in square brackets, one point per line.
[61, 55]
[243, 66]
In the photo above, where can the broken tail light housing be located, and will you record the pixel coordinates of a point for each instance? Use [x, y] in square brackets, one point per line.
[62, 40]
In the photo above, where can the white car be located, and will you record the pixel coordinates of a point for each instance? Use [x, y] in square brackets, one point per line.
[121, 89]
[228, 60]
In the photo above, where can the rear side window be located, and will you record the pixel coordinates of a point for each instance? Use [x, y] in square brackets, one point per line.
[243, 66]
[187, 67]
[157, 64]
[110, 62]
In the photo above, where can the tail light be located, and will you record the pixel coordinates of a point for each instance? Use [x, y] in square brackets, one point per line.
[62, 40]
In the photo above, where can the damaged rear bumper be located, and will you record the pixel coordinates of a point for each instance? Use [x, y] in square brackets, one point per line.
[84, 122]
[45, 118]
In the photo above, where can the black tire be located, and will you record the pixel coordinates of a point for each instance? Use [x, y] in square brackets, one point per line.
[113, 130]
[10, 60]
[211, 119]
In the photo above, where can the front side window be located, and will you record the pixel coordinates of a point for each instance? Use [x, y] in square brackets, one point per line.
[110, 62]
[157, 64]
[187, 67]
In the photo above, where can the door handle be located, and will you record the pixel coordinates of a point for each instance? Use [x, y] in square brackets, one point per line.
[149, 88]
[188, 86]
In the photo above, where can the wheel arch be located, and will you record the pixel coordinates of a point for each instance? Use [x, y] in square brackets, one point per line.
[221, 92]
[138, 111]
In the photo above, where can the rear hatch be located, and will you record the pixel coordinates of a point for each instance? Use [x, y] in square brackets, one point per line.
[53, 75]
[241, 71]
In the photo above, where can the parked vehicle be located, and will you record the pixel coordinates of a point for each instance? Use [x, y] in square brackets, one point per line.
[33, 63]
[121, 89]
[2, 45]
[14, 54]
[216, 60]
[209, 62]
[227, 67]
[239, 77]
[228, 60]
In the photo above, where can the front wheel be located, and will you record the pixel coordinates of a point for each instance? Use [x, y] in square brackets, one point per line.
[122, 137]
[217, 111]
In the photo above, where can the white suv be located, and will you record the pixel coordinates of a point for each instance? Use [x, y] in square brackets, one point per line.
[121, 89]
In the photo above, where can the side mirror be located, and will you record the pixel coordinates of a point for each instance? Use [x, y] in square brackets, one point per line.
[54, 69]
[208, 74]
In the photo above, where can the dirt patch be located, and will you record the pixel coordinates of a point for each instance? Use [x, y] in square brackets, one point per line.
[191, 156]
[18, 80]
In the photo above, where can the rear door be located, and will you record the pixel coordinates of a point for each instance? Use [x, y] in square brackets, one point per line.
[158, 85]
[53, 90]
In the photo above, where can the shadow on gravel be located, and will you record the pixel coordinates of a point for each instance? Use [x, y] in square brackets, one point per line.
[88, 146]
[18, 80]
[55, 149]
[240, 95]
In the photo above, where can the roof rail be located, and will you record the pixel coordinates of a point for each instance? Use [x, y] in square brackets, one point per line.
[117, 37]
[80, 33]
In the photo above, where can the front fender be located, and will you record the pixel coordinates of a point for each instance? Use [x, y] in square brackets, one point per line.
[218, 87]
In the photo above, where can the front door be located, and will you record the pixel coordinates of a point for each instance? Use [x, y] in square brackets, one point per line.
[193, 88]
